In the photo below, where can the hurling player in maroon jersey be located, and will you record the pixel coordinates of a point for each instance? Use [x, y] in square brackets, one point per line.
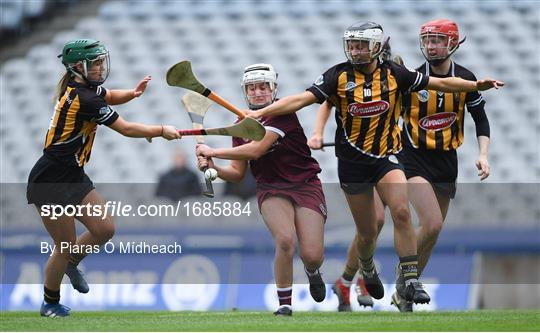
[367, 95]
[289, 192]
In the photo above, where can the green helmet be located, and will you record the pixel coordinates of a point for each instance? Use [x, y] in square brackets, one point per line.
[86, 52]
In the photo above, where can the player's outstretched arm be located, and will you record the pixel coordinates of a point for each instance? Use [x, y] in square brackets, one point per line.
[316, 140]
[121, 96]
[286, 105]
[137, 130]
[250, 151]
[456, 84]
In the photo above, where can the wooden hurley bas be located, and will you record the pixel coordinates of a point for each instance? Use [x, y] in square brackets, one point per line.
[247, 128]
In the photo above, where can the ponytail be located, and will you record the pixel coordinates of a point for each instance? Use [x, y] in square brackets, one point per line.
[62, 86]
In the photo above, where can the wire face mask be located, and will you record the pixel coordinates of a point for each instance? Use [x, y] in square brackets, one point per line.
[439, 39]
[93, 58]
[259, 85]
[362, 42]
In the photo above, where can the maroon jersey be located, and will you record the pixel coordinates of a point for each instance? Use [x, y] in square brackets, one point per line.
[289, 159]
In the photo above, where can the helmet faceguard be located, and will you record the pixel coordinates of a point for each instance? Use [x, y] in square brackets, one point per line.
[259, 85]
[439, 39]
[364, 36]
[91, 55]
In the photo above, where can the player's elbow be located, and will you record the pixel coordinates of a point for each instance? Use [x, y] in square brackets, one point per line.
[128, 129]
[123, 127]
[235, 177]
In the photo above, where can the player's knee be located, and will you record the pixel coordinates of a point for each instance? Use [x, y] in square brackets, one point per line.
[401, 215]
[105, 233]
[286, 244]
[367, 236]
[64, 247]
[312, 257]
[433, 228]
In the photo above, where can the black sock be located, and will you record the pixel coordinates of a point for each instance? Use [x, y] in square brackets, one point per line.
[75, 258]
[311, 273]
[51, 296]
[367, 265]
[409, 268]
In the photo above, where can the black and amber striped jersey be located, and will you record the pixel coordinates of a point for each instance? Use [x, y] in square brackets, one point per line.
[368, 107]
[434, 120]
[73, 125]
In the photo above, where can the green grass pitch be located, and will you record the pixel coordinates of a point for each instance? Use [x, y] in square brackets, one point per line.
[486, 320]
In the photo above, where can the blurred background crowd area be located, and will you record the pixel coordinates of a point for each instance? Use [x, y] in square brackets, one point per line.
[497, 218]
[301, 39]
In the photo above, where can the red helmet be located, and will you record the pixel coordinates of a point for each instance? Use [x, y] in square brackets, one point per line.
[440, 28]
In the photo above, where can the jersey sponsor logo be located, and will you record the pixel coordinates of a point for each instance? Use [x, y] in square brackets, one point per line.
[368, 109]
[350, 85]
[438, 121]
[319, 81]
[423, 95]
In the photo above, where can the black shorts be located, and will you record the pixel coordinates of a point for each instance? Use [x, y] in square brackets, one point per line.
[440, 168]
[52, 182]
[356, 178]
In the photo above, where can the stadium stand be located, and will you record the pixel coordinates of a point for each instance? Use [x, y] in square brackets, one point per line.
[301, 39]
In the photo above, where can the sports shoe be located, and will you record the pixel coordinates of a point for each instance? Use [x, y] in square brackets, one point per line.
[283, 311]
[53, 310]
[415, 293]
[401, 303]
[317, 288]
[362, 295]
[397, 300]
[343, 293]
[373, 284]
[400, 281]
[77, 278]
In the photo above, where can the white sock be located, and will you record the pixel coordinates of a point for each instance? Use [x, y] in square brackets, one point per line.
[346, 283]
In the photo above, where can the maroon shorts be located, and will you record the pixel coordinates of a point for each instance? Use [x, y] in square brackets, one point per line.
[309, 195]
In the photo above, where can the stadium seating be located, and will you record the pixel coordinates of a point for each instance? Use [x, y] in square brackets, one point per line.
[302, 39]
